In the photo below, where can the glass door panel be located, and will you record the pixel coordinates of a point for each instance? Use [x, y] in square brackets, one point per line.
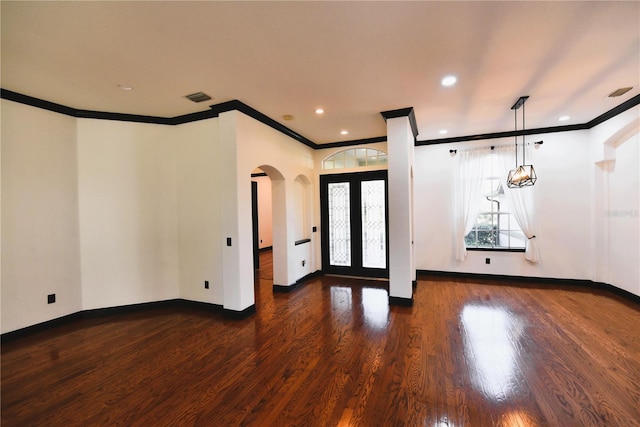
[374, 224]
[339, 224]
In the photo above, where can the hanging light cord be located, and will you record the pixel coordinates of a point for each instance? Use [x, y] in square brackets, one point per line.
[515, 116]
[523, 134]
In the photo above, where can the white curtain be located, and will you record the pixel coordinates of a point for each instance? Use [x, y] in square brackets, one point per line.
[522, 200]
[470, 172]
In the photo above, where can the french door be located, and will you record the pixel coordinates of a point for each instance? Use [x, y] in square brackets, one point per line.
[354, 219]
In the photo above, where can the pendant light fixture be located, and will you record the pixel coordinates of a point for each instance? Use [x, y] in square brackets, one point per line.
[523, 175]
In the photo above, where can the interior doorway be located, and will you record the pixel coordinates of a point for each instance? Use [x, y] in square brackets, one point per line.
[255, 220]
[262, 224]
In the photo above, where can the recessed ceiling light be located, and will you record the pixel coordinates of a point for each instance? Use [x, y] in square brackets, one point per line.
[564, 118]
[449, 80]
[125, 87]
[344, 132]
[319, 111]
[443, 131]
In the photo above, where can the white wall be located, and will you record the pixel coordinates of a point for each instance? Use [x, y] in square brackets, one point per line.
[564, 204]
[616, 187]
[622, 218]
[108, 213]
[40, 238]
[563, 192]
[301, 228]
[199, 211]
[401, 156]
[261, 146]
[128, 213]
[302, 260]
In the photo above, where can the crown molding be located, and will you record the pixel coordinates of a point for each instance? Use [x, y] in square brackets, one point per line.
[37, 102]
[403, 112]
[216, 109]
[495, 135]
[628, 104]
[257, 115]
[352, 142]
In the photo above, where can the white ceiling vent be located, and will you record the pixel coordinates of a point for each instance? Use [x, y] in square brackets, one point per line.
[198, 97]
[619, 92]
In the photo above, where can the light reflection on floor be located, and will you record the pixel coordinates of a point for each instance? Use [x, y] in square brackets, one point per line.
[341, 300]
[444, 422]
[374, 303]
[509, 419]
[489, 337]
[517, 419]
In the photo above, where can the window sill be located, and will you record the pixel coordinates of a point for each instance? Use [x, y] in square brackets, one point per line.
[495, 250]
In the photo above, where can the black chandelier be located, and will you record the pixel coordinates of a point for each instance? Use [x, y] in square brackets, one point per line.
[523, 175]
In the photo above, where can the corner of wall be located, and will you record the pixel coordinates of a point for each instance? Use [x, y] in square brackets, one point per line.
[615, 201]
[40, 237]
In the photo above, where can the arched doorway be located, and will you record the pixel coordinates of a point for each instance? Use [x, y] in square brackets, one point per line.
[262, 227]
[269, 223]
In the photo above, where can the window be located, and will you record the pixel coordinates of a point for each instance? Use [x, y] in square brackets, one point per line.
[495, 227]
[355, 158]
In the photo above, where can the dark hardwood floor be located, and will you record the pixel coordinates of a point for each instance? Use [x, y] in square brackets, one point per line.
[266, 265]
[333, 353]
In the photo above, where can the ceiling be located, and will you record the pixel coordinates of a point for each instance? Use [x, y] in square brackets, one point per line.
[353, 59]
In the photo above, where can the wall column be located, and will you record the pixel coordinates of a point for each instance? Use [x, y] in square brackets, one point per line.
[401, 134]
[280, 235]
[235, 201]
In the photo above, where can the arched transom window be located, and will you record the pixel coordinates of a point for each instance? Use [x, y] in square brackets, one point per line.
[355, 158]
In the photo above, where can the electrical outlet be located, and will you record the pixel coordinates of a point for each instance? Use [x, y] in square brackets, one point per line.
[304, 262]
[228, 241]
[314, 229]
[206, 284]
[487, 260]
[51, 298]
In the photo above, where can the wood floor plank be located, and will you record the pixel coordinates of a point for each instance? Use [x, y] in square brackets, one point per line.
[468, 353]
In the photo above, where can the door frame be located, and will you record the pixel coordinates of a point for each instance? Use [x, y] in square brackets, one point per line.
[255, 225]
[354, 178]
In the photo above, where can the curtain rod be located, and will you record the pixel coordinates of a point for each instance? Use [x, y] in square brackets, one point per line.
[453, 152]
